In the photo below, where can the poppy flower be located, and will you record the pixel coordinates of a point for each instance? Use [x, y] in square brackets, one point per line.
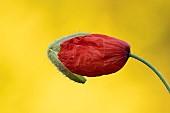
[92, 55]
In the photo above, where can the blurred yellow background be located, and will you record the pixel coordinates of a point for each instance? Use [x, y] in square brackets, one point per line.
[29, 83]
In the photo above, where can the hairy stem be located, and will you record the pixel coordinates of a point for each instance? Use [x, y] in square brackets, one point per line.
[153, 68]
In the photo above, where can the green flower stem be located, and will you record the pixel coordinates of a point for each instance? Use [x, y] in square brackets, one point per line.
[153, 68]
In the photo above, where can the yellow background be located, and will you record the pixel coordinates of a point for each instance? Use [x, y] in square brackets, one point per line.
[29, 83]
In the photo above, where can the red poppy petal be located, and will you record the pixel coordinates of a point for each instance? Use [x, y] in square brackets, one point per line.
[94, 54]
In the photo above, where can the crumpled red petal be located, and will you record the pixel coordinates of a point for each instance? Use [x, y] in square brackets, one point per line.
[94, 54]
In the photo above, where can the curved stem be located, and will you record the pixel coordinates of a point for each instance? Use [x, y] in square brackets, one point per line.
[153, 68]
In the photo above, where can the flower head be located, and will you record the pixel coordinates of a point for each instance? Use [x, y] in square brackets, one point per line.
[91, 55]
[94, 54]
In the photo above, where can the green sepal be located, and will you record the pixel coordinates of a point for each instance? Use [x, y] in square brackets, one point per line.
[56, 44]
[52, 53]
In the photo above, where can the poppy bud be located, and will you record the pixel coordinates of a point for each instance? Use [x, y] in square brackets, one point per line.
[91, 55]
[94, 54]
